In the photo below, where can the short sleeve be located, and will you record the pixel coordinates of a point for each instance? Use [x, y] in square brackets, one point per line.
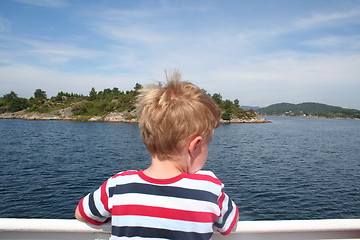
[94, 206]
[228, 215]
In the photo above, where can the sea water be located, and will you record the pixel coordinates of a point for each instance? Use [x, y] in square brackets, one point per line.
[292, 168]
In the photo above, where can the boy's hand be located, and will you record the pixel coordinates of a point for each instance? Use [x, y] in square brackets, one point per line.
[78, 215]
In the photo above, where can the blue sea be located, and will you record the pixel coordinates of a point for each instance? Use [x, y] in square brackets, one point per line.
[292, 168]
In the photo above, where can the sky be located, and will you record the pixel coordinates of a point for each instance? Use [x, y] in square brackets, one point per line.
[259, 52]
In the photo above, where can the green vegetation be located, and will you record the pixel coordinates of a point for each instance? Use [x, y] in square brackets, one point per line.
[309, 109]
[101, 103]
[231, 110]
[12, 103]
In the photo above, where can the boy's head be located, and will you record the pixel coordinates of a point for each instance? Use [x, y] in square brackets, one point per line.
[170, 115]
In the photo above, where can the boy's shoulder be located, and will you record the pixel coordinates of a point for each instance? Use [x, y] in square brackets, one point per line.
[131, 174]
[126, 173]
[206, 175]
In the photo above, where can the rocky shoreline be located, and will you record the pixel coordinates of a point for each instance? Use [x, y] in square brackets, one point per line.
[121, 117]
[256, 119]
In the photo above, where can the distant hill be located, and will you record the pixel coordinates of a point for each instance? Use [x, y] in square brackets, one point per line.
[308, 109]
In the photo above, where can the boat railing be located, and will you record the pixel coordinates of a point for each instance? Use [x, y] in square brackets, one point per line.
[16, 228]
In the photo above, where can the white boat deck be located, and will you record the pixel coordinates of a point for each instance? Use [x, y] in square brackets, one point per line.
[11, 228]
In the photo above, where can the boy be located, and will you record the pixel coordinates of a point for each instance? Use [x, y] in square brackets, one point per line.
[172, 199]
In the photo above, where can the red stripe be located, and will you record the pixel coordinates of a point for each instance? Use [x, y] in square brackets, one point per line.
[140, 210]
[204, 177]
[161, 181]
[104, 196]
[83, 214]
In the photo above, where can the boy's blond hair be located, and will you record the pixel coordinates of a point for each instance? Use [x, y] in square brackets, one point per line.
[170, 115]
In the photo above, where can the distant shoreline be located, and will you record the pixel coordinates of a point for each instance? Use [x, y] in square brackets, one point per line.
[309, 110]
[310, 117]
[111, 117]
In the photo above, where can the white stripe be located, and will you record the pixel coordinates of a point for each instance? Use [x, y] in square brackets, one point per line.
[207, 172]
[166, 202]
[99, 205]
[125, 179]
[154, 222]
[134, 238]
[198, 185]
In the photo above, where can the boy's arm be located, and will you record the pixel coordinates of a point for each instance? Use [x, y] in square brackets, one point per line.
[93, 207]
[229, 216]
[86, 215]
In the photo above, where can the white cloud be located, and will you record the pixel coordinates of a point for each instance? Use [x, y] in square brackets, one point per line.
[326, 18]
[61, 51]
[331, 43]
[45, 51]
[288, 77]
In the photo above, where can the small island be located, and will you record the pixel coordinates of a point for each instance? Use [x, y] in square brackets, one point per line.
[109, 105]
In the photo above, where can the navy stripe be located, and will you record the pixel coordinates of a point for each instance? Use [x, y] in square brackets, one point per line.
[92, 206]
[230, 209]
[158, 233]
[168, 191]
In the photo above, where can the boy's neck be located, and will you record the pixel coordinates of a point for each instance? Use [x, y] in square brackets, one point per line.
[164, 169]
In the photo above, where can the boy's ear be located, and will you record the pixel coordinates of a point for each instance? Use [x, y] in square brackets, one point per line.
[195, 146]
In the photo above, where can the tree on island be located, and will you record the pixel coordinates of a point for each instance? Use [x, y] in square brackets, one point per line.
[12, 103]
[92, 94]
[40, 94]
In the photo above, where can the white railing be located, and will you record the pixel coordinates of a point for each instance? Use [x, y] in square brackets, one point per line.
[14, 228]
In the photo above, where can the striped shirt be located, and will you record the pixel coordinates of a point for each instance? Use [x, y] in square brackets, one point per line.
[188, 206]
